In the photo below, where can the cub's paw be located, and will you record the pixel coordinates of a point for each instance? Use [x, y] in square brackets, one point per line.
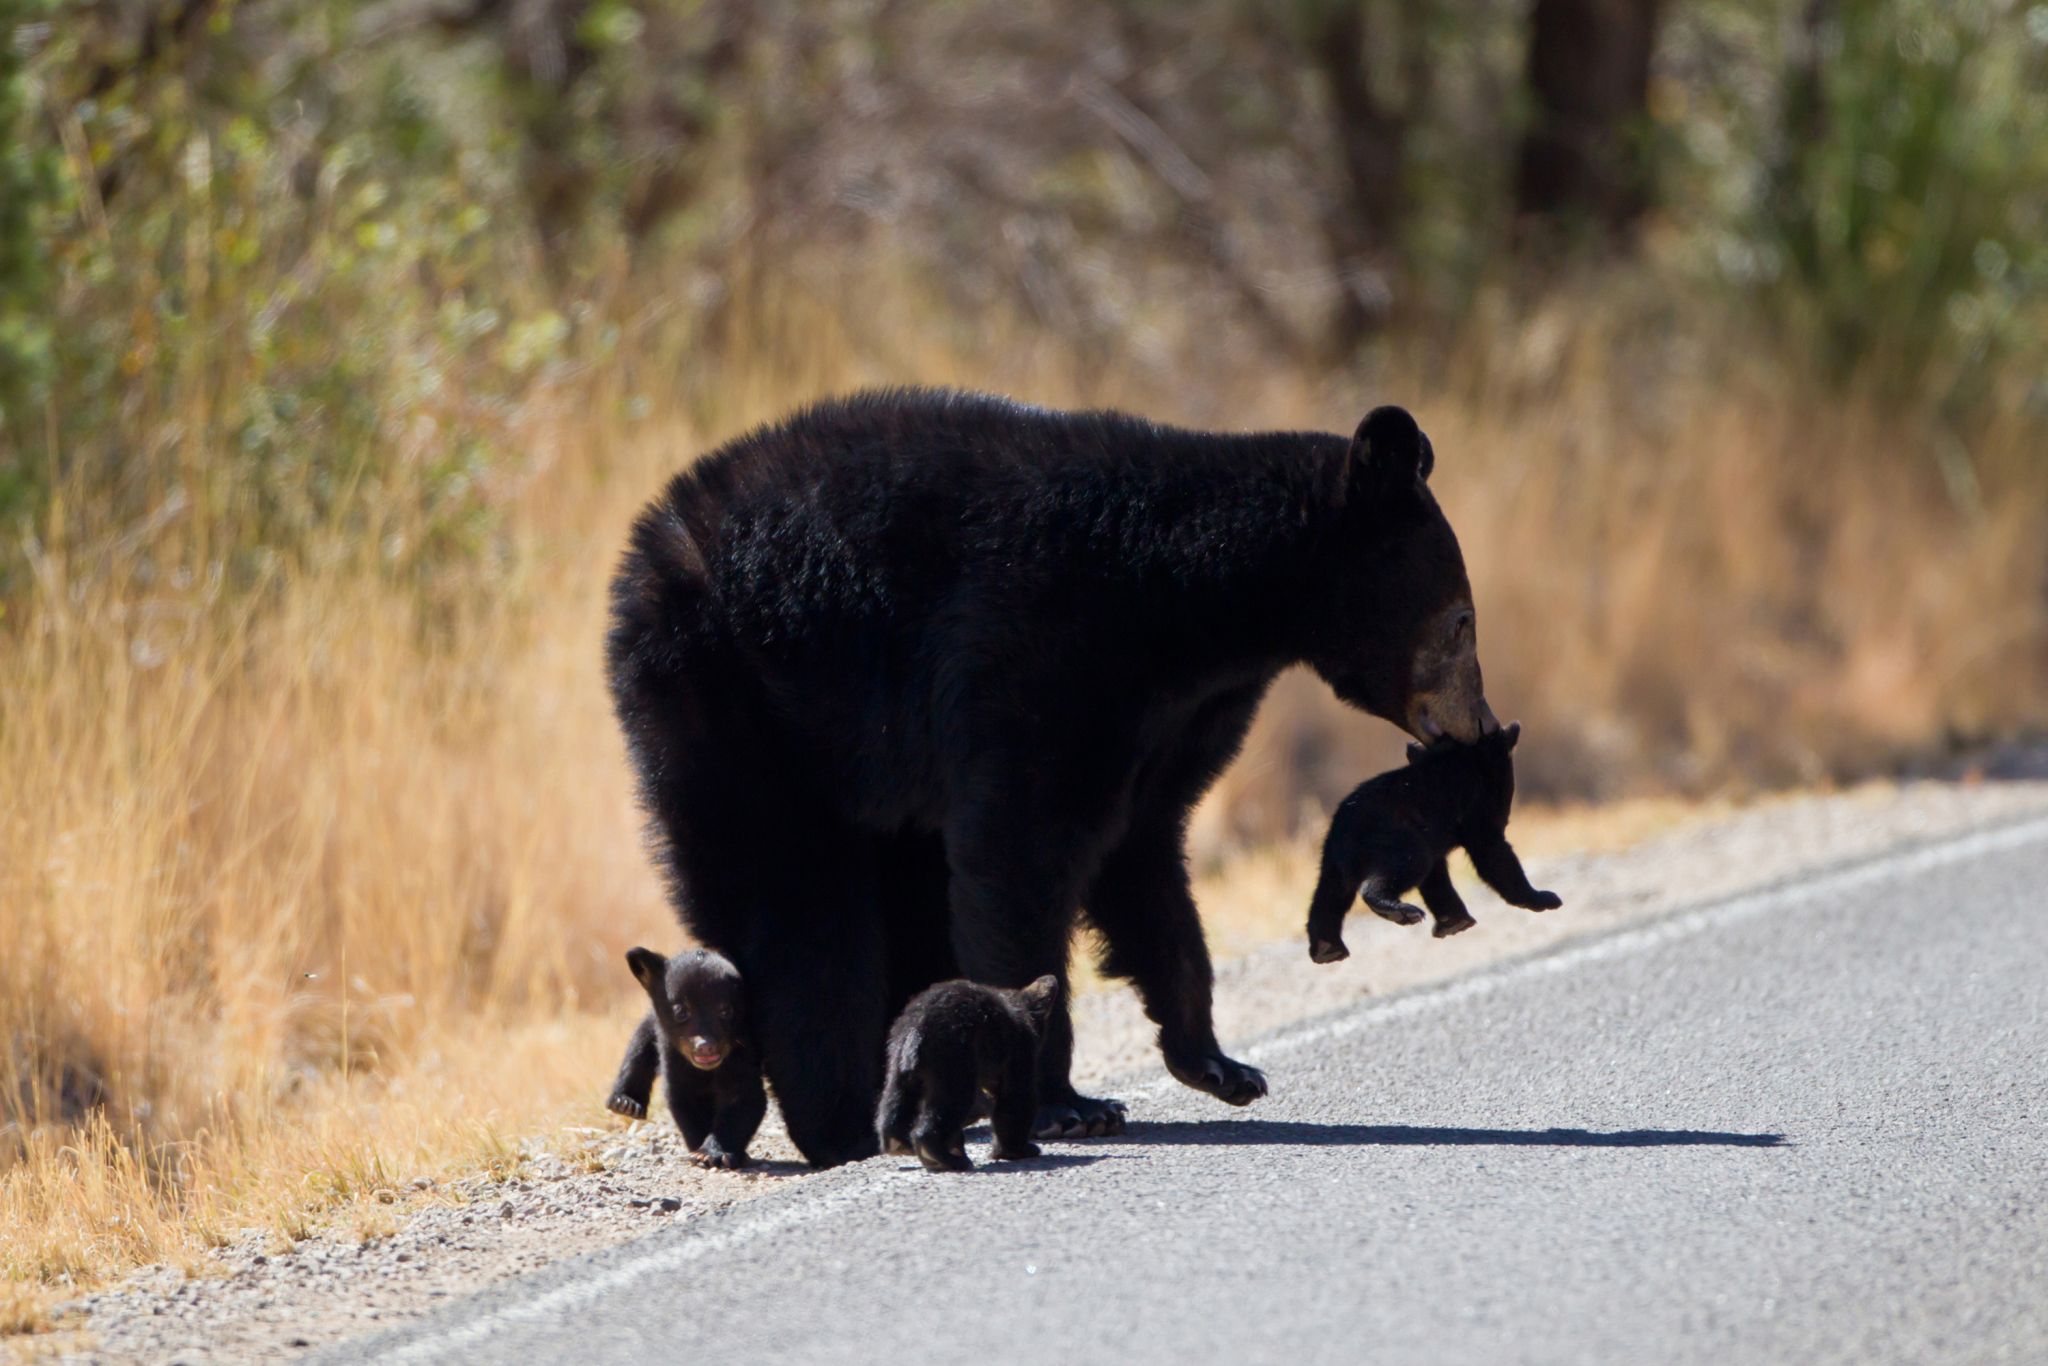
[1075, 1116]
[1018, 1152]
[943, 1159]
[713, 1156]
[1446, 928]
[896, 1146]
[1327, 950]
[623, 1104]
[1543, 901]
[1229, 1081]
[1400, 912]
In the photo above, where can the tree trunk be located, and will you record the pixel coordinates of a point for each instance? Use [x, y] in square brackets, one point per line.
[1584, 159]
[1371, 134]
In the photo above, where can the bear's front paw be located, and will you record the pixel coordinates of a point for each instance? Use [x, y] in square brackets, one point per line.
[1015, 1152]
[1543, 901]
[1327, 950]
[623, 1104]
[711, 1155]
[1076, 1116]
[1446, 928]
[1229, 1081]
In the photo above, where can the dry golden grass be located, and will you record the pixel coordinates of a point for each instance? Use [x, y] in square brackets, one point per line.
[313, 891]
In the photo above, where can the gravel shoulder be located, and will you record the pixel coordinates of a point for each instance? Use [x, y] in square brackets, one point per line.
[606, 1185]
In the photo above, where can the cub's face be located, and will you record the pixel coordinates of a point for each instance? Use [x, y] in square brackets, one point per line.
[1486, 769]
[698, 1002]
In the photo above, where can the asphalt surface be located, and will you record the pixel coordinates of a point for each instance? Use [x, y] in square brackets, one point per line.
[1803, 1125]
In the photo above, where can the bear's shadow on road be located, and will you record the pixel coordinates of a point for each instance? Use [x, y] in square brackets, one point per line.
[1043, 1162]
[1229, 1132]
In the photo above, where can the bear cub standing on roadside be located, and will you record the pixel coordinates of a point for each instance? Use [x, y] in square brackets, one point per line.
[696, 1037]
[951, 1043]
[1393, 833]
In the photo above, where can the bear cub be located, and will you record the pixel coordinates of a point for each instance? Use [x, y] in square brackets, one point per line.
[696, 1037]
[953, 1042]
[1393, 833]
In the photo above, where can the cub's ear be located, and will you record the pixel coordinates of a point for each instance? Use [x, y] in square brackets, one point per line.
[1417, 751]
[1513, 732]
[650, 968]
[1390, 452]
[1041, 996]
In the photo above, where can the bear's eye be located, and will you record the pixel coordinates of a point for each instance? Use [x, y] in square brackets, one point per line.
[725, 1012]
[682, 1012]
[1461, 625]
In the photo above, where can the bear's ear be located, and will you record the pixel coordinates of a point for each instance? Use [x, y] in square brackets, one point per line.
[1513, 732]
[1389, 452]
[650, 968]
[1041, 996]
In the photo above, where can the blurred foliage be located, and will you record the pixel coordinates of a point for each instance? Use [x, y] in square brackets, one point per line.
[303, 268]
[28, 187]
[1906, 220]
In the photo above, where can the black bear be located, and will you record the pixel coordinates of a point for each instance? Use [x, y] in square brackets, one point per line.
[1393, 832]
[696, 1036]
[953, 1043]
[912, 679]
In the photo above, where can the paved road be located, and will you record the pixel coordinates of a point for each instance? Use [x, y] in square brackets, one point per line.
[1803, 1126]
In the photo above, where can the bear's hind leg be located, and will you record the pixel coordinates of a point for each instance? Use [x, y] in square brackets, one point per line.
[1445, 905]
[900, 1097]
[940, 1135]
[1395, 861]
[1016, 1109]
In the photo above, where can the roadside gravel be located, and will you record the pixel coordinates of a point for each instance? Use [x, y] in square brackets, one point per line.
[265, 1300]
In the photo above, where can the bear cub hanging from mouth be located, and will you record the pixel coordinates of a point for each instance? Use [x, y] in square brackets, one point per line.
[696, 1037]
[953, 1042]
[1393, 833]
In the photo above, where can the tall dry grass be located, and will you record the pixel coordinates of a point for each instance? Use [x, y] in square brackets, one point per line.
[315, 887]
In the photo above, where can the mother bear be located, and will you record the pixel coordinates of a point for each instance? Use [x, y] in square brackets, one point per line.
[913, 679]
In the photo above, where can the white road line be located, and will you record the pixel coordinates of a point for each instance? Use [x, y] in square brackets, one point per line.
[753, 1222]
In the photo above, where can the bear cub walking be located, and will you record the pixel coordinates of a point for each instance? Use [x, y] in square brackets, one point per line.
[951, 1043]
[1393, 833]
[696, 1037]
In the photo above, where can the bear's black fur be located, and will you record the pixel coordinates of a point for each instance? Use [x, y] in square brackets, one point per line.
[913, 678]
[696, 1036]
[1393, 832]
[952, 1043]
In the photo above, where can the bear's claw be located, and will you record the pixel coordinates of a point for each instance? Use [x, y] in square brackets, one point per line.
[713, 1156]
[1079, 1117]
[1229, 1081]
[623, 1104]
